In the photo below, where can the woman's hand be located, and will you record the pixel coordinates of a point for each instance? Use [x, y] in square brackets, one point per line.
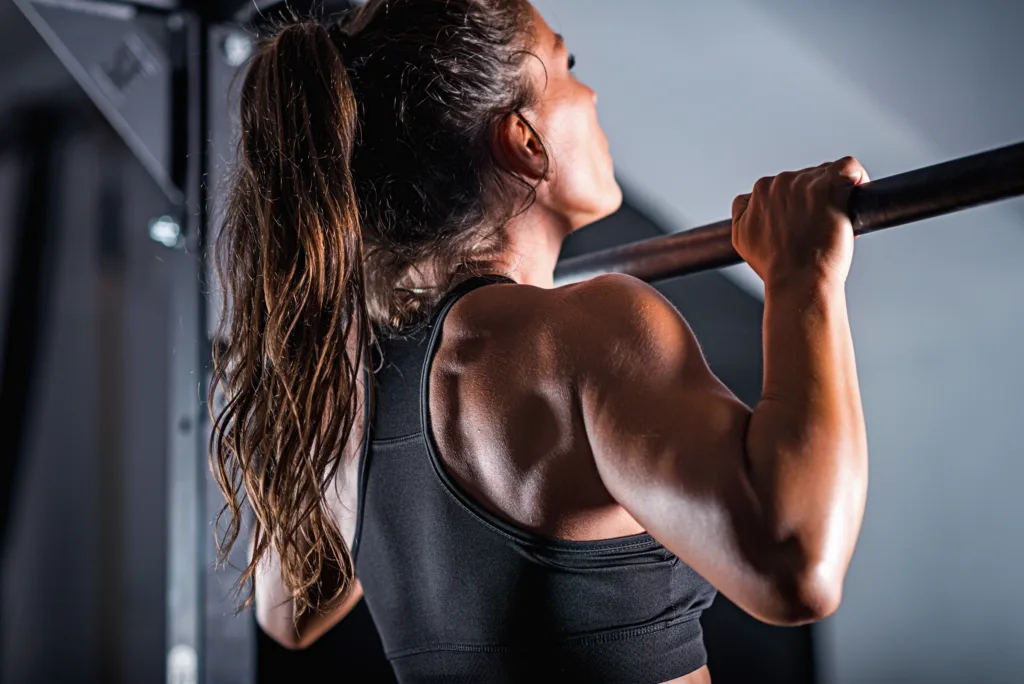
[795, 224]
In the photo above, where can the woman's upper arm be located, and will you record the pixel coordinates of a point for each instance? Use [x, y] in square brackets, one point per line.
[668, 440]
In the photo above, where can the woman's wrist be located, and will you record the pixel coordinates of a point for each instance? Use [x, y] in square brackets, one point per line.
[814, 283]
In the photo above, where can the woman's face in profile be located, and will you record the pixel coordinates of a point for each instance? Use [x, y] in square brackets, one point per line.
[581, 184]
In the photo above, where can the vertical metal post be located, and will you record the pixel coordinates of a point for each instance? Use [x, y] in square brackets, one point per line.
[40, 135]
[110, 408]
[187, 363]
[229, 639]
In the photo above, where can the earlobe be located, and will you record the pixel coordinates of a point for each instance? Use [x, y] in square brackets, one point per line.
[520, 147]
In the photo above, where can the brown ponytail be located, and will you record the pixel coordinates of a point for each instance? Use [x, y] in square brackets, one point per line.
[340, 217]
[295, 328]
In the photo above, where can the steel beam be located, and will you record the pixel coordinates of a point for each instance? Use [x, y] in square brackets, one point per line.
[123, 59]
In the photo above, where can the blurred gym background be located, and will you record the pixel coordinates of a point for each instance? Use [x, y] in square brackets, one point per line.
[112, 112]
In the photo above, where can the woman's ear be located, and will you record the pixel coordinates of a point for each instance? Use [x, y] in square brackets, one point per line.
[521, 148]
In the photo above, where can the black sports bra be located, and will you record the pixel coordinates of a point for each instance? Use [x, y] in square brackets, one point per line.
[460, 595]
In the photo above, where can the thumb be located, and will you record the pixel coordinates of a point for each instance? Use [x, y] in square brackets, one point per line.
[843, 176]
[847, 171]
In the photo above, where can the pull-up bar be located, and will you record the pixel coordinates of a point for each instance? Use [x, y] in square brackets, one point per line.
[907, 197]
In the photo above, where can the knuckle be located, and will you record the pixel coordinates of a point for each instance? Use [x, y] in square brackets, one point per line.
[785, 178]
[786, 183]
[763, 184]
[806, 179]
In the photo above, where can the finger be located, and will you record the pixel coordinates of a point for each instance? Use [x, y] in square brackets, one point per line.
[824, 166]
[739, 206]
[763, 186]
[785, 179]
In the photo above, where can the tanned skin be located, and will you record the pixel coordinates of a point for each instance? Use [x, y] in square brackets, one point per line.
[588, 411]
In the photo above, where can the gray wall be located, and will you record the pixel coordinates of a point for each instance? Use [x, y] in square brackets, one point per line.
[700, 99]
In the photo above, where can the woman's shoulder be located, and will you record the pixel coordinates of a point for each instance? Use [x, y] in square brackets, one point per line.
[611, 308]
[612, 294]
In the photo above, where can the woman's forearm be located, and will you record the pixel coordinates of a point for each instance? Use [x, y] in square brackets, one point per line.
[806, 440]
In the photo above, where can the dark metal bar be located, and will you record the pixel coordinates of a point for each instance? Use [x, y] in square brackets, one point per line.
[186, 461]
[41, 136]
[894, 201]
[110, 311]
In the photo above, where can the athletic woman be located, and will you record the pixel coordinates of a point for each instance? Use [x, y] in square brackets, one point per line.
[524, 482]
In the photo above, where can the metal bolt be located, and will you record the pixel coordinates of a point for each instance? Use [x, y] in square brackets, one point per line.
[237, 47]
[176, 21]
[166, 231]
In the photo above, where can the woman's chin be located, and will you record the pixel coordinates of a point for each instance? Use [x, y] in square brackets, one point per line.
[597, 206]
[616, 198]
[611, 201]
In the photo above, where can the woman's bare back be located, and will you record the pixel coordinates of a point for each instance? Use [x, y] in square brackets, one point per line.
[507, 419]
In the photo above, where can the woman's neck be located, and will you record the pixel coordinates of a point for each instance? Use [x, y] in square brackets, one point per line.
[531, 245]
[533, 242]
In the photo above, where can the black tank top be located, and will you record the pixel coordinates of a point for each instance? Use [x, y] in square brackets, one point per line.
[460, 595]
